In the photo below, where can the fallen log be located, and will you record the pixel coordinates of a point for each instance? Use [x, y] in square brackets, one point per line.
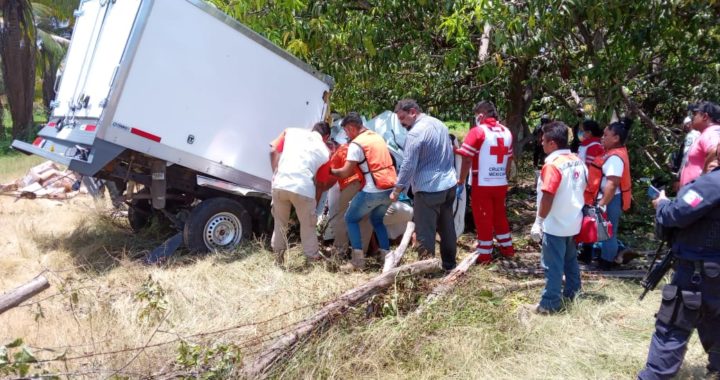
[22, 293]
[259, 367]
[448, 282]
[399, 252]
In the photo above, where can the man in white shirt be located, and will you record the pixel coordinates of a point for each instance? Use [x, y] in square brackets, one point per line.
[296, 156]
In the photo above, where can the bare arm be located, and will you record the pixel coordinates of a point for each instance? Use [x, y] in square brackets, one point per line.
[464, 169]
[345, 171]
[609, 190]
[545, 204]
[274, 159]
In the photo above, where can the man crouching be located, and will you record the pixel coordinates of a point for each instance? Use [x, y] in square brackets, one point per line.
[560, 200]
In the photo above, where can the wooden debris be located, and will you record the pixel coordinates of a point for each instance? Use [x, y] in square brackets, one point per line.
[399, 252]
[22, 293]
[259, 367]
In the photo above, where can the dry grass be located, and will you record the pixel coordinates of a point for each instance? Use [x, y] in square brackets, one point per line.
[474, 334]
[96, 286]
[93, 307]
[15, 166]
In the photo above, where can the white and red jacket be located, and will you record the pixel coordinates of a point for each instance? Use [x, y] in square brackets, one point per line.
[590, 149]
[564, 176]
[491, 142]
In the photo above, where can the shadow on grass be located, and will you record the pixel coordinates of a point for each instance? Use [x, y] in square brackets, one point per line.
[595, 297]
[100, 243]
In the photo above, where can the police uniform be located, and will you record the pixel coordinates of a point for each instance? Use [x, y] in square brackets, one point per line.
[692, 300]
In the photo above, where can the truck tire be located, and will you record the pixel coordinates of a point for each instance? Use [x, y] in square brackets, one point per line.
[217, 224]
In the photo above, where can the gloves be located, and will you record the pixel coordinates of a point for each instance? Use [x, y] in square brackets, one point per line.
[536, 232]
[459, 190]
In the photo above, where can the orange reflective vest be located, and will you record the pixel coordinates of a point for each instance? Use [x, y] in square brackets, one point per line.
[377, 157]
[595, 175]
[337, 161]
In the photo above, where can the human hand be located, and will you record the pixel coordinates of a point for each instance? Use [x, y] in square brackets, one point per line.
[394, 196]
[536, 232]
[459, 190]
[660, 197]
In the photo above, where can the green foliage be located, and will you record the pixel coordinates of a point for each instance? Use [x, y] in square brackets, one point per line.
[16, 359]
[216, 362]
[152, 294]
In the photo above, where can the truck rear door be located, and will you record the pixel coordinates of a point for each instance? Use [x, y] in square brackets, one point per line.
[96, 50]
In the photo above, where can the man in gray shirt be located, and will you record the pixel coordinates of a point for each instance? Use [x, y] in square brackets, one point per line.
[429, 168]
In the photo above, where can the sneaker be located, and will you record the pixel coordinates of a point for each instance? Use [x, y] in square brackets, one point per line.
[541, 310]
[508, 254]
[484, 259]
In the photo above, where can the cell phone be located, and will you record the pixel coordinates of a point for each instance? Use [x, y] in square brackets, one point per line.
[653, 192]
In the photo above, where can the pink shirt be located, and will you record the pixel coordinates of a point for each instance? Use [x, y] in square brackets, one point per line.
[708, 139]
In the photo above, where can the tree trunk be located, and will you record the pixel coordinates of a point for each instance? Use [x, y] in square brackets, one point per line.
[48, 84]
[22, 293]
[258, 368]
[520, 97]
[2, 125]
[17, 48]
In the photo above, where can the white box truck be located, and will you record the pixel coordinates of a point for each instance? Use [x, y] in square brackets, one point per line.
[177, 99]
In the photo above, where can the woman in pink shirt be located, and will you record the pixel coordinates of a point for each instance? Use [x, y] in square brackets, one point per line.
[706, 120]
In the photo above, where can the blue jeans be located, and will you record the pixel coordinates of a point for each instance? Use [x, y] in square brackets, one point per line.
[609, 248]
[375, 204]
[558, 257]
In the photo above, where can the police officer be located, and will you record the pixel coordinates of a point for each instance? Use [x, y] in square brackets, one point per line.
[692, 300]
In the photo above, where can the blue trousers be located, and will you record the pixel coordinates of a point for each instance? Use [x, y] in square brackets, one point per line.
[559, 257]
[375, 204]
[609, 248]
[669, 342]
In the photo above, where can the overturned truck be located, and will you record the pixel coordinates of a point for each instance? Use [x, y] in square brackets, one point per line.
[172, 103]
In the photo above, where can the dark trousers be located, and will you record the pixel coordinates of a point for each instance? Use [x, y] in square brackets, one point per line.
[669, 342]
[433, 212]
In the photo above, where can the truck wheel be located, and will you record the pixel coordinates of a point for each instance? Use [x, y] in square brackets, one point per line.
[217, 224]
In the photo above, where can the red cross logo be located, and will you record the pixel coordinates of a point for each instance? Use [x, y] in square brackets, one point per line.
[499, 150]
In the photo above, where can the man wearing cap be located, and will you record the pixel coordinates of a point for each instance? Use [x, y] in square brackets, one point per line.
[705, 118]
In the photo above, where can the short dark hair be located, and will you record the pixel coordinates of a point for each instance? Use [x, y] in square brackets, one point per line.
[593, 127]
[710, 108]
[352, 118]
[407, 105]
[486, 107]
[321, 127]
[621, 128]
[556, 131]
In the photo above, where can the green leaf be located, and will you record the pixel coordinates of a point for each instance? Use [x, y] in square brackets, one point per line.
[15, 343]
[24, 356]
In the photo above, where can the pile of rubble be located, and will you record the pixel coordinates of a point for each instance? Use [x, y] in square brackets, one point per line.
[47, 180]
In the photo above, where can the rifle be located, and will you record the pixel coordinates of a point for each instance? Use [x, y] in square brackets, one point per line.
[657, 271]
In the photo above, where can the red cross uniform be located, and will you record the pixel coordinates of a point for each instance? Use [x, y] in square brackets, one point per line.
[490, 144]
